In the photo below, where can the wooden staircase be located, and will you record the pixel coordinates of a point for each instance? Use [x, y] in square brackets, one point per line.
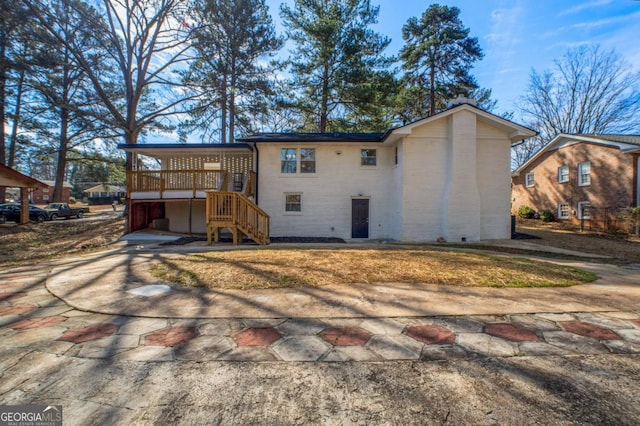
[237, 213]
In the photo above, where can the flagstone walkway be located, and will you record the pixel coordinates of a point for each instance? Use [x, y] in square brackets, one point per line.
[34, 319]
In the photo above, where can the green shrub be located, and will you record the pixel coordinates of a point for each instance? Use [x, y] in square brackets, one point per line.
[547, 216]
[526, 212]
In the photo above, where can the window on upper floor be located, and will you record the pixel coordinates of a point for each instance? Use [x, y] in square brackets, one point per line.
[584, 210]
[563, 211]
[368, 157]
[307, 160]
[289, 160]
[563, 174]
[293, 202]
[395, 156]
[584, 173]
[529, 179]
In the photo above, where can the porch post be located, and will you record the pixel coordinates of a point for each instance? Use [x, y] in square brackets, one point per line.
[24, 205]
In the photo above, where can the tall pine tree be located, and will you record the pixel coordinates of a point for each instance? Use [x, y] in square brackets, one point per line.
[234, 39]
[338, 64]
[70, 110]
[437, 58]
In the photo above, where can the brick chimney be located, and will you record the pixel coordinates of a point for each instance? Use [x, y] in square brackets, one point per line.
[461, 99]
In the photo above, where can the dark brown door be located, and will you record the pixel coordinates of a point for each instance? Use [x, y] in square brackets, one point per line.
[142, 214]
[359, 218]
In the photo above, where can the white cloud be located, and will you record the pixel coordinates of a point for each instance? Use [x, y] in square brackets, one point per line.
[583, 6]
[506, 26]
[511, 70]
[607, 21]
[565, 45]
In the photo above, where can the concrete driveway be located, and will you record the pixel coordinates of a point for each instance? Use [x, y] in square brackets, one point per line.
[99, 336]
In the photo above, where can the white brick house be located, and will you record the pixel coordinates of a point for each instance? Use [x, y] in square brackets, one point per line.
[444, 176]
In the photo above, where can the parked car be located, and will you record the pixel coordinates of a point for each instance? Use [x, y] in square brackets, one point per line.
[11, 212]
[57, 210]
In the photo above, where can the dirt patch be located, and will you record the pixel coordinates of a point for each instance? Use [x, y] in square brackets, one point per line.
[24, 244]
[280, 268]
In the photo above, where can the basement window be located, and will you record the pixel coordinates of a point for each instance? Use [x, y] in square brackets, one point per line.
[563, 211]
[293, 203]
[584, 210]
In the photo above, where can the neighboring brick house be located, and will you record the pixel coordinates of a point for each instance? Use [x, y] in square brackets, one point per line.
[43, 195]
[590, 177]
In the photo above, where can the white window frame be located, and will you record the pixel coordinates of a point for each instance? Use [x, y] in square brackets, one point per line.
[584, 178]
[560, 211]
[285, 160]
[586, 204]
[287, 203]
[365, 161]
[314, 160]
[297, 153]
[563, 177]
[529, 180]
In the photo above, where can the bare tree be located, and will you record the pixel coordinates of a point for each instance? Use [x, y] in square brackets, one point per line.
[588, 91]
[146, 40]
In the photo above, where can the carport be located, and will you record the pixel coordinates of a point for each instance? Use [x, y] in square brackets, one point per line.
[10, 178]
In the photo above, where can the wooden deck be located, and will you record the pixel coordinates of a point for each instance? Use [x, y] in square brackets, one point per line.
[193, 182]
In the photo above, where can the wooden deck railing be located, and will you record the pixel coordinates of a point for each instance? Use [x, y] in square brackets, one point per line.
[176, 180]
[250, 187]
[236, 212]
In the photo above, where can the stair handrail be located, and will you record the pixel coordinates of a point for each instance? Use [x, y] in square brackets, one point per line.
[240, 209]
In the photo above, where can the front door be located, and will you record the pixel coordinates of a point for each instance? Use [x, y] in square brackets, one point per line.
[359, 218]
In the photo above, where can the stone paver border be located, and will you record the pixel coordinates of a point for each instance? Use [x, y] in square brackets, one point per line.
[33, 318]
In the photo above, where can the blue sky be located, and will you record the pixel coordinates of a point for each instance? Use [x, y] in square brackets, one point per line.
[518, 35]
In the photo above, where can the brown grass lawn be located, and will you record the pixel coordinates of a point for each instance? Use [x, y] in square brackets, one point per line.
[26, 244]
[276, 268]
[622, 248]
[272, 268]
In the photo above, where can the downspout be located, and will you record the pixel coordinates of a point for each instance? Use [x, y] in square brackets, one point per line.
[637, 227]
[638, 180]
[190, 215]
[257, 172]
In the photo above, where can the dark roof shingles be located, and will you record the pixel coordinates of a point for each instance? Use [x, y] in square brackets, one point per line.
[314, 137]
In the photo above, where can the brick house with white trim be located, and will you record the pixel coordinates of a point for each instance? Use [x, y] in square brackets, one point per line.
[590, 177]
[42, 195]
